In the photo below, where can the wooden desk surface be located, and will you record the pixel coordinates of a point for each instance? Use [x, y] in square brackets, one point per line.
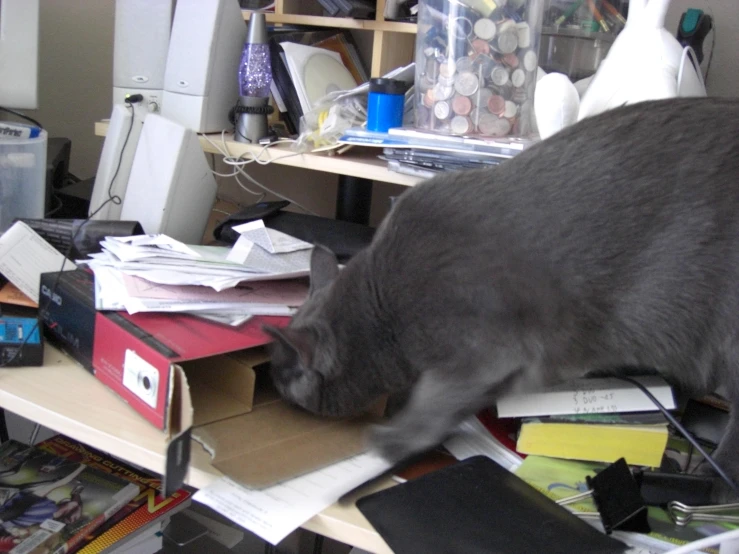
[63, 396]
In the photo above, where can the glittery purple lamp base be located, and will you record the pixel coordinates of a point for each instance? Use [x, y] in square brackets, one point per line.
[255, 71]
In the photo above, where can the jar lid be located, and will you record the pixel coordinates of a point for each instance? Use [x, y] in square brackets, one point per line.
[388, 86]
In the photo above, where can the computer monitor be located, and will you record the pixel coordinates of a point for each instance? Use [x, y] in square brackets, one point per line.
[19, 45]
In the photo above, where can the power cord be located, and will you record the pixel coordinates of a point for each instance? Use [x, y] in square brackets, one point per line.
[22, 116]
[684, 432]
[43, 311]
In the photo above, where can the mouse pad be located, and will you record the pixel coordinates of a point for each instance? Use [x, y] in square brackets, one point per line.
[477, 506]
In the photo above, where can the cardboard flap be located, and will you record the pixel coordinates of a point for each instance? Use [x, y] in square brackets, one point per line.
[223, 386]
[277, 442]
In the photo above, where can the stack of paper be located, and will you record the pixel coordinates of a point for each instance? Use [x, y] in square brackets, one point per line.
[263, 274]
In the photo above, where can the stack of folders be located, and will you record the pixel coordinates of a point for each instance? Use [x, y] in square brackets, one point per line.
[264, 273]
[599, 419]
[425, 153]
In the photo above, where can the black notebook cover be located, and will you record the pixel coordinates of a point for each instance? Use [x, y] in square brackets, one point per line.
[476, 506]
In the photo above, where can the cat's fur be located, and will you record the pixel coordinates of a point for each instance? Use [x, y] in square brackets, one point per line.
[614, 243]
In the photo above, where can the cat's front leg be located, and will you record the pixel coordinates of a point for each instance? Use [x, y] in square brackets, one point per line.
[437, 404]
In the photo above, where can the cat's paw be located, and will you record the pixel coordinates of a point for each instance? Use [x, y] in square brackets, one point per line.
[394, 444]
[384, 440]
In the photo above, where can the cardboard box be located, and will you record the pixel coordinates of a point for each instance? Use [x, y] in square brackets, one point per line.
[193, 378]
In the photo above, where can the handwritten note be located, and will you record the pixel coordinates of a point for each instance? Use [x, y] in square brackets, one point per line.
[588, 396]
[275, 512]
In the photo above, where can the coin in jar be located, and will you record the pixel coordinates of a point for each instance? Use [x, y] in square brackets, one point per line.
[464, 64]
[442, 92]
[530, 60]
[442, 109]
[507, 42]
[461, 105]
[481, 97]
[447, 69]
[518, 77]
[511, 60]
[494, 126]
[466, 84]
[485, 28]
[511, 109]
[480, 46]
[460, 125]
[499, 75]
[496, 104]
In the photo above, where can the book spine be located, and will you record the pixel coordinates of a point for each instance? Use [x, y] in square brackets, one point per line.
[122, 498]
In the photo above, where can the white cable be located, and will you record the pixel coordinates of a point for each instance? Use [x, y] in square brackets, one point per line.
[238, 163]
[703, 543]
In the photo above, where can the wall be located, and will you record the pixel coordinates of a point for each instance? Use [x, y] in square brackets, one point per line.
[75, 75]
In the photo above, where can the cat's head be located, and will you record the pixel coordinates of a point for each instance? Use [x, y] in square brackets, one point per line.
[310, 365]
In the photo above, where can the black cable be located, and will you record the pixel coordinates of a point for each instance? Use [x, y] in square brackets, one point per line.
[684, 432]
[111, 198]
[22, 116]
[115, 198]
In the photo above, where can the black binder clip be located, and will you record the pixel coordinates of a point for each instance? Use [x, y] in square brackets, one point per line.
[617, 497]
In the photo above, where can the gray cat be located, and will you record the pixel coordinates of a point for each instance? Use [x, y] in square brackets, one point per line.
[613, 244]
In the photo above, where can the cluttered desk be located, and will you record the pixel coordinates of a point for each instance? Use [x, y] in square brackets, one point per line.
[163, 339]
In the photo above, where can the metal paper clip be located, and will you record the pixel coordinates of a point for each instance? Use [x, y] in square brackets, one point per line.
[682, 514]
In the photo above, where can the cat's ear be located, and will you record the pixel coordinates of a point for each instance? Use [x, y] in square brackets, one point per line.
[300, 342]
[324, 268]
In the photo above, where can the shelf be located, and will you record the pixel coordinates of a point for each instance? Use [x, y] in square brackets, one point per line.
[63, 396]
[338, 22]
[357, 162]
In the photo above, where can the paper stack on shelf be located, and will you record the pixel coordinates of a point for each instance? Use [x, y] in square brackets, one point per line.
[262, 274]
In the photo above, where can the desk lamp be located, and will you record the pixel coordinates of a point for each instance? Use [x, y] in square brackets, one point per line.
[255, 77]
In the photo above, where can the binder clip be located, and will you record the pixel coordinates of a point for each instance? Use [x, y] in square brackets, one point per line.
[617, 498]
[659, 488]
[683, 514]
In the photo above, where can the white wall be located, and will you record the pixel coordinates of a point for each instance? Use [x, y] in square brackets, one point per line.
[75, 75]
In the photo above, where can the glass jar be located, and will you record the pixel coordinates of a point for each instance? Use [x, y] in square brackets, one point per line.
[476, 66]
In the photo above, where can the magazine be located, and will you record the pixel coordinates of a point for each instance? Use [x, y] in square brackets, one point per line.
[50, 503]
[144, 510]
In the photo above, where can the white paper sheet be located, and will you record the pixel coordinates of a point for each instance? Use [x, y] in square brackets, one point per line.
[275, 512]
[24, 256]
[273, 241]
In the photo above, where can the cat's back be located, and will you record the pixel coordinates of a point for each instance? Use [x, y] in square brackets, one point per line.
[623, 174]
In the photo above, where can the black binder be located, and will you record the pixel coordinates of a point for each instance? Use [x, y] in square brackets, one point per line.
[477, 507]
